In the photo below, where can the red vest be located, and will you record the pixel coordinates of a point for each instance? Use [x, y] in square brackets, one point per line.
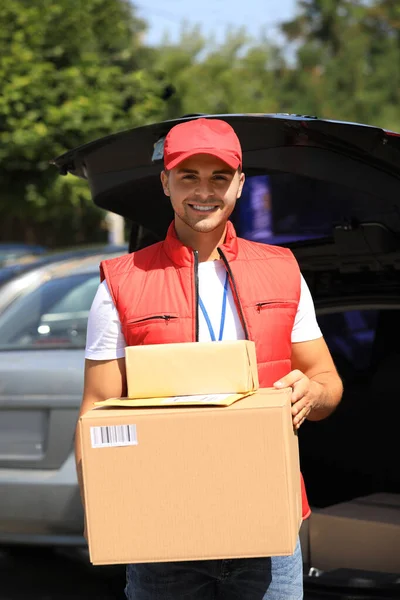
[155, 291]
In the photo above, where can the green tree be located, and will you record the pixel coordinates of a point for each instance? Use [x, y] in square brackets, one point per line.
[70, 71]
[347, 60]
[340, 59]
[238, 75]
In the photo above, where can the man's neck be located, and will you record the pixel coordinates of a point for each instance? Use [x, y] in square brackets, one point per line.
[206, 244]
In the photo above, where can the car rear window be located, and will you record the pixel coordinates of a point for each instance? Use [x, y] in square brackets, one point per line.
[52, 315]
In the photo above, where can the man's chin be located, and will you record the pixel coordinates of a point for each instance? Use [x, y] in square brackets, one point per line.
[207, 225]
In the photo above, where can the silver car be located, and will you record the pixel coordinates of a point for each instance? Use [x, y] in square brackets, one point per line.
[43, 317]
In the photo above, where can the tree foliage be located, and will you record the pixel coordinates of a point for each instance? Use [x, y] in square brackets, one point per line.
[74, 70]
[347, 62]
[239, 75]
[340, 59]
[70, 71]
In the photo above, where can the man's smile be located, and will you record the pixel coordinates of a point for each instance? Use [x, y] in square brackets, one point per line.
[204, 208]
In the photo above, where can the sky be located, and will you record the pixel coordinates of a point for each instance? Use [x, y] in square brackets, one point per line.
[214, 16]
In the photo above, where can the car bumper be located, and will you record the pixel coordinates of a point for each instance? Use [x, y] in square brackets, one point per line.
[41, 506]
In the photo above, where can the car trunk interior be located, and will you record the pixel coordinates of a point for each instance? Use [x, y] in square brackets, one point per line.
[354, 279]
[350, 459]
[355, 451]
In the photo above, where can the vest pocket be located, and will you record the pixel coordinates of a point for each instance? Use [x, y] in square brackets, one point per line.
[272, 324]
[287, 304]
[157, 319]
[155, 328]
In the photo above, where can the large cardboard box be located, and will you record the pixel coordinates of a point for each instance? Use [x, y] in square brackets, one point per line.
[361, 534]
[191, 483]
[161, 370]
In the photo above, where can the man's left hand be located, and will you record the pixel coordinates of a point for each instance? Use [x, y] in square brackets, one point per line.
[305, 394]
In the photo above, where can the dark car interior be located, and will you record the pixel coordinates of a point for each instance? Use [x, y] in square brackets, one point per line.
[354, 452]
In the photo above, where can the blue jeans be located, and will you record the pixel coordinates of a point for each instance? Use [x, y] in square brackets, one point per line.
[276, 578]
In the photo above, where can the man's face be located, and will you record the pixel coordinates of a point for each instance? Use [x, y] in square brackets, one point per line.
[203, 191]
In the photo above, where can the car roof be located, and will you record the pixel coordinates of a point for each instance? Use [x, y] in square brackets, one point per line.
[75, 265]
[36, 276]
[20, 246]
[9, 272]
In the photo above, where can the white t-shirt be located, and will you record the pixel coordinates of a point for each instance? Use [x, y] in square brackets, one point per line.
[105, 340]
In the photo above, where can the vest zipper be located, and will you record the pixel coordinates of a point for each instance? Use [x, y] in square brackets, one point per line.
[164, 317]
[261, 305]
[196, 293]
[228, 268]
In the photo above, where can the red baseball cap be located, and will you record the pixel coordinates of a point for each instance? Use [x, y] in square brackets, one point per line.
[202, 136]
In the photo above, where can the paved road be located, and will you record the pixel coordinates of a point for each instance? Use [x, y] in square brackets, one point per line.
[46, 574]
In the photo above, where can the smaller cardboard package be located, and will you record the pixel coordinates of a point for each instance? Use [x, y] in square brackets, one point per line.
[194, 400]
[361, 534]
[163, 370]
[191, 482]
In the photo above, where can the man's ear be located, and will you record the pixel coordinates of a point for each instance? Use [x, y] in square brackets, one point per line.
[165, 182]
[241, 184]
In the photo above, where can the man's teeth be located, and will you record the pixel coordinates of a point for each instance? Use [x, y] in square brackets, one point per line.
[205, 208]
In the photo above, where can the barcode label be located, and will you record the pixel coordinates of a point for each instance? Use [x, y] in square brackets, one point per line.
[113, 435]
[196, 399]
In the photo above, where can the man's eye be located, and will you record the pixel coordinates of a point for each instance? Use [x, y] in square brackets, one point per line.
[188, 177]
[221, 177]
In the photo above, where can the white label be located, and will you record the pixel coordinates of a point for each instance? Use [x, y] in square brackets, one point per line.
[111, 436]
[158, 152]
[202, 399]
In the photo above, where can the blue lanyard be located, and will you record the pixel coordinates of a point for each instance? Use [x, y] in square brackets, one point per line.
[223, 314]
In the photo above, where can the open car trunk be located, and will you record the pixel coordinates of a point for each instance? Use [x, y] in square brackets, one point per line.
[350, 460]
[338, 170]
[332, 193]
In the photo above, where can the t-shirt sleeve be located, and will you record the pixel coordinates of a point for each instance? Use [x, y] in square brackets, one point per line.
[305, 326]
[104, 338]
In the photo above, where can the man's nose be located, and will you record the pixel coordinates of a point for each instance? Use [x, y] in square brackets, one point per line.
[204, 190]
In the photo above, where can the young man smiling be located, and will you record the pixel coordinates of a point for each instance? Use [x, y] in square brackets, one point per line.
[215, 286]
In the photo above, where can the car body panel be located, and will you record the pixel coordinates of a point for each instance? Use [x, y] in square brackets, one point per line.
[40, 395]
[41, 506]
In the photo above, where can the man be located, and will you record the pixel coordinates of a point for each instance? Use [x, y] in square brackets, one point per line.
[203, 283]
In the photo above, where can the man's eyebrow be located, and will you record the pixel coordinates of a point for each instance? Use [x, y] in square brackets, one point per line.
[187, 171]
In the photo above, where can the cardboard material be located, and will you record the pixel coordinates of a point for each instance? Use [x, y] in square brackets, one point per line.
[196, 400]
[361, 534]
[163, 370]
[191, 483]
